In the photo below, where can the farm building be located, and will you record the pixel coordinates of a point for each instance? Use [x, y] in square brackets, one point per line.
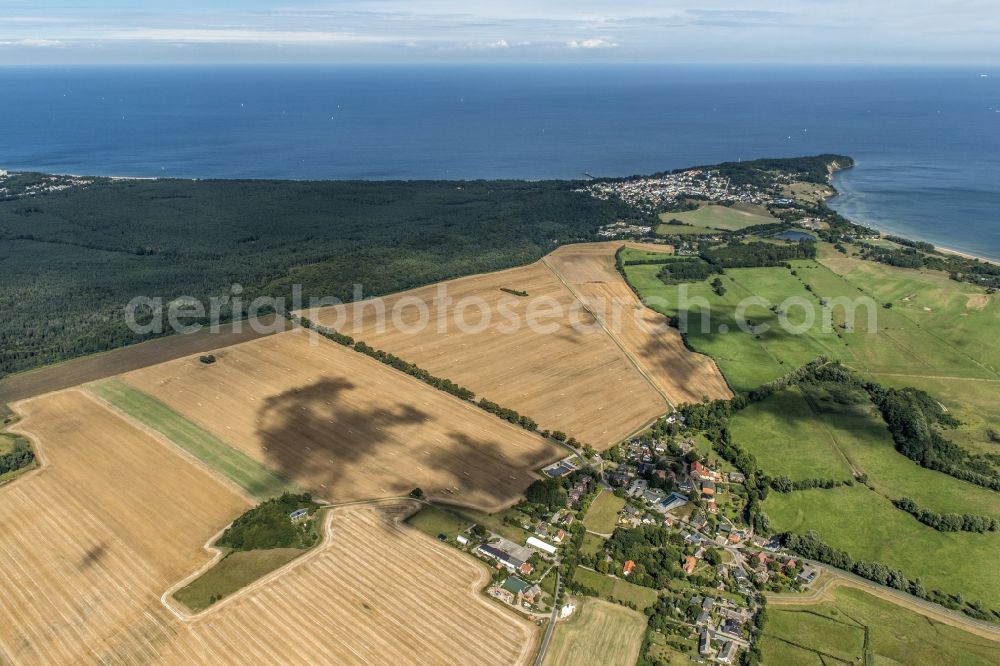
[541, 545]
[504, 558]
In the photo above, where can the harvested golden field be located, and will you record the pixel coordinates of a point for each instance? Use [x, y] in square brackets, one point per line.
[347, 427]
[656, 348]
[374, 592]
[115, 518]
[537, 351]
[91, 540]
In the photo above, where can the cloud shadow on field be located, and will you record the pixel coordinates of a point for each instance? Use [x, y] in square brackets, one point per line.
[314, 436]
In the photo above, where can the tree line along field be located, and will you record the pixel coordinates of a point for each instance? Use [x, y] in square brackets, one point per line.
[344, 426]
[595, 382]
[823, 432]
[72, 259]
[854, 627]
[599, 633]
[90, 590]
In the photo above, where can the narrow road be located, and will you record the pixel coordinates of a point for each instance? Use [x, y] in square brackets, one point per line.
[837, 578]
[552, 623]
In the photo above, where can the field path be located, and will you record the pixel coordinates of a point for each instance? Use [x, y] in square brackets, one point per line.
[837, 578]
[654, 348]
[614, 338]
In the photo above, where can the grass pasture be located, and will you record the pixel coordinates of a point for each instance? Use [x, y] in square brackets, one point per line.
[592, 544]
[855, 627]
[602, 516]
[599, 633]
[615, 588]
[232, 573]
[935, 333]
[236, 466]
[787, 438]
[433, 521]
[714, 217]
[747, 359]
[821, 431]
[869, 527]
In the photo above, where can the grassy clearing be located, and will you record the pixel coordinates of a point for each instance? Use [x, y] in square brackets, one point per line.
[667, 655]
[592, 544]
[599, 633]
[495, 522]
[242, 470]
[837, 628]
[715, 217]
[867, 525]
[782, 433]
[434, 521]
[602, 516]
[635, 254]
[971, 401]
[233, 573]
[615, 588]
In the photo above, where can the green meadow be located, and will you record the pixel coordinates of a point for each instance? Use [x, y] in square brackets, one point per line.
[789, 439]
[934, 328]
[602, 516]
[857, 628]
[434, 521]
[715, 217]
[826, 431]
[615, 588]
[233, 573]
[865, 524]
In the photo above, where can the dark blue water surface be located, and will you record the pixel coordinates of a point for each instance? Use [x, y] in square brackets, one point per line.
[927, 141]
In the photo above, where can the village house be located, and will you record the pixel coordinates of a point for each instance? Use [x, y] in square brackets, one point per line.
[628, 568]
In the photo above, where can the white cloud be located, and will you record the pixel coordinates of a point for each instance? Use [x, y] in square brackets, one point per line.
[593, 43]
[34, 43]
[499, 44]
[241, 36]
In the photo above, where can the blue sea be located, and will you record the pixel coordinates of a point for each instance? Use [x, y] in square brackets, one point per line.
[926, 141]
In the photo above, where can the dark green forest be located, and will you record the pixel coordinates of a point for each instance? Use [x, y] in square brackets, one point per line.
[71, 260]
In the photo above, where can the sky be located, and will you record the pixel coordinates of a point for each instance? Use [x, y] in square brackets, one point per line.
[502, 31]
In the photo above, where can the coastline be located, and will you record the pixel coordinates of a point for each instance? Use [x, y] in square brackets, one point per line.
[905, 234]
[834, 168]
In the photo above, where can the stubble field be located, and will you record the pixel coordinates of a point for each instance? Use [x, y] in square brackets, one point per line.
[567, 377]
[116, 517]
[655, 348]
[346, 427]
